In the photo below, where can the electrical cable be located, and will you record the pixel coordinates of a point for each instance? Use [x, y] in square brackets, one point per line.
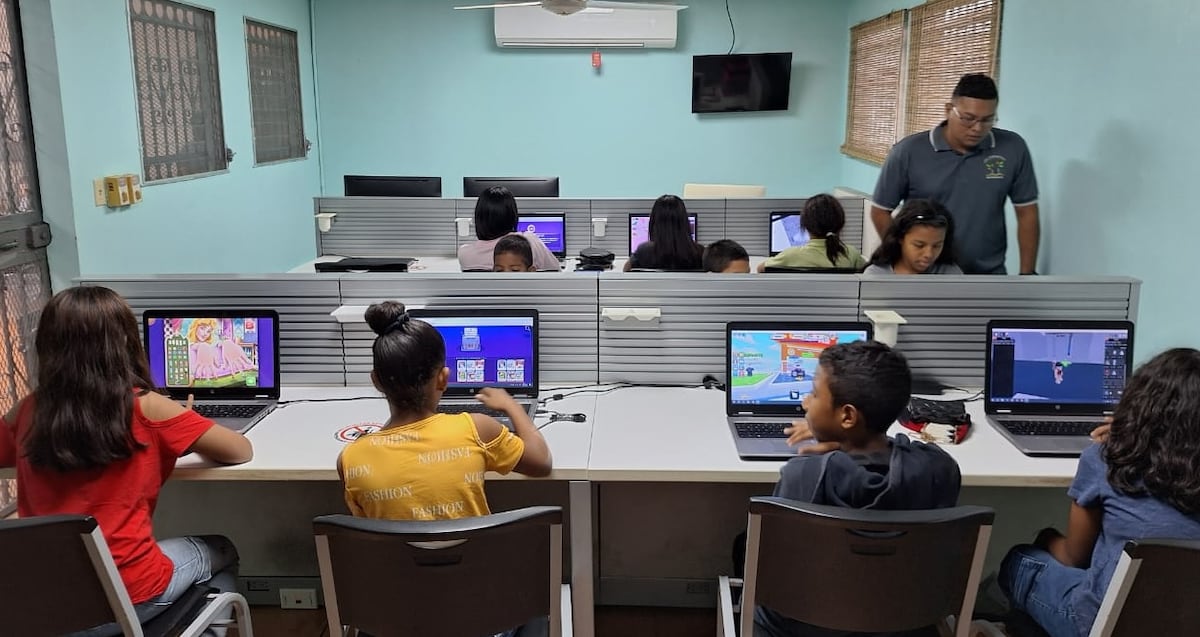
[732, 29]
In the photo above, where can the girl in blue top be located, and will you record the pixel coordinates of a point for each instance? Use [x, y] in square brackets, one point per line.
[1142, 481]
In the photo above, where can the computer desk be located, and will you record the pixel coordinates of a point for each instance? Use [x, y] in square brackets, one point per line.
[441, 265]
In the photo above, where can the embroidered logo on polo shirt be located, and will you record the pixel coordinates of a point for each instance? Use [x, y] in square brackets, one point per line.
[994, 167]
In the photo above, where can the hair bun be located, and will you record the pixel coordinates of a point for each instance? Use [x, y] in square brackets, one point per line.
[385, 317]
[830, 234]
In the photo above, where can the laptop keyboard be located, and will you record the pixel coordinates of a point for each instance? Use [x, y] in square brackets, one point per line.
[1049, 427]
[224, 410]
[761, 429]
[458, 408]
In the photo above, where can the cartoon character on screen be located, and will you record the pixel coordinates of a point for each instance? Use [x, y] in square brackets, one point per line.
[232, 357]
[1059, 369]
[202, 348]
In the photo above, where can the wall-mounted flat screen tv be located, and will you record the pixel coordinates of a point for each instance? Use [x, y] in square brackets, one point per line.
[741, 82]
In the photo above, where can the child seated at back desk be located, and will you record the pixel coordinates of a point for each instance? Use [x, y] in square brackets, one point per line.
[823, 219]
[726, 257]
[858, 391]
[513, 254]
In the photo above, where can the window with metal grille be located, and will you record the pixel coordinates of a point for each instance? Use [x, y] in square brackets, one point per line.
[273, 57]
[876, 52]
[904, 66]
[947, 39]
[18, 173]
[178, 90]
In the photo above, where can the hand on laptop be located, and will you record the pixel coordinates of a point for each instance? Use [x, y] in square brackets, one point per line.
[497, 399]
[1100, 434]
[800, 434]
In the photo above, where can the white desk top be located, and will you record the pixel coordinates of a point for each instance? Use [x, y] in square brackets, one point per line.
[298, 440]
[681, 435]
[442, 265]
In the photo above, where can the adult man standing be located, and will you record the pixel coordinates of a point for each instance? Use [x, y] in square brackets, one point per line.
[971, 168]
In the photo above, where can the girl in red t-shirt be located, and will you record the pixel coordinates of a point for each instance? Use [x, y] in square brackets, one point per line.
[94, 439]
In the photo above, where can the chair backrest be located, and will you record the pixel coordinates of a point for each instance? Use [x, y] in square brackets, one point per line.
[1153, 591]
[466, 577]
[722, 191]
[778, 269]
[59, 577]
[864, 571]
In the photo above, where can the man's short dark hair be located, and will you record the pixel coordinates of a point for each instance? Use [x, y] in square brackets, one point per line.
[515, 244]
[977, 86]
[872, 377]
[719, 254]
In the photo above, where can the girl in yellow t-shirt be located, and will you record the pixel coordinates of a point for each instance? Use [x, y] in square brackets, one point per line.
[423, 465]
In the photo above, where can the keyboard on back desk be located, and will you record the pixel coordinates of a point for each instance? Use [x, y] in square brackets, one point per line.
[458, 408]
[761, 429]
[1049, 427]
[225, 410]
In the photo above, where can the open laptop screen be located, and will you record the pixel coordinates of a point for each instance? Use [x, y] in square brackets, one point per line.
[786, 232]
[485, 350]
[774, 367]
[550, 228]
[639, 229]
[1058, 365]
[210, 353]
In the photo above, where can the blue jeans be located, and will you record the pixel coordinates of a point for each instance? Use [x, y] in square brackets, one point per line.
[1039, 585]
[207, 558]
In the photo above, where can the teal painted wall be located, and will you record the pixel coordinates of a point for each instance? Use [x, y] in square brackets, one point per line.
[1111, 140]
[250, 219]
[415, 88]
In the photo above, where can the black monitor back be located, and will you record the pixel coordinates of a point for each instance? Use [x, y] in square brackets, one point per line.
[390, 186]
[518, 186]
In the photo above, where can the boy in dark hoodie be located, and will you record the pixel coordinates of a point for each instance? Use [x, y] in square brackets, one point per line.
[858, 391]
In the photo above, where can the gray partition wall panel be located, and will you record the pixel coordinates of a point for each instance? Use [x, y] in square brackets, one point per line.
[944, 337]
[688, 341]
[388, 226]
[710, 218]
[566, 309]
[747, 221]
[616, 212]
[579, 218]
[310, 340]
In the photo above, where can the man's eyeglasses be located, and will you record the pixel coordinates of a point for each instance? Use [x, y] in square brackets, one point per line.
[970, 120]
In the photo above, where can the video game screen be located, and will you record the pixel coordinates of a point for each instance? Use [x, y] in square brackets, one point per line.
[639, 230]
[551, 229]
[771, 367]
[1058, 366]
[487, 351]
[786, 232]
[225, 352]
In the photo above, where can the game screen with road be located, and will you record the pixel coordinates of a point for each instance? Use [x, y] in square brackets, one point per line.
[772, 367]
[1035, 366]
[786, 232]
[203, 352]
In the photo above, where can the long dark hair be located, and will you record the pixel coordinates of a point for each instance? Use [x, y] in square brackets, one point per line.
[91, 367]
[823, 218]
[495, 213]
[670, 234]
[918, 212]
[1154, 444]
[407, 356]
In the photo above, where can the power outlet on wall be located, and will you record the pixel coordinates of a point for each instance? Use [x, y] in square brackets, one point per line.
[297, 598]
[98, 191]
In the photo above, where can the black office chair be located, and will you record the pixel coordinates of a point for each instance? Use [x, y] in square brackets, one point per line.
[912, 569]
[779, 269]
[1153, 591]
[59, 577]
[468, 577]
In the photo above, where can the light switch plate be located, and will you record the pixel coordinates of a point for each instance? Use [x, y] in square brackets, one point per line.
[98, 191]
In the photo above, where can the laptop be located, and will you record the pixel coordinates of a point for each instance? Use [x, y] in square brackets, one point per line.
[1048, 384]
[786, 231]
[487, 348]
[639, 229]
[551, 228]
[769, 370]
[227, 360]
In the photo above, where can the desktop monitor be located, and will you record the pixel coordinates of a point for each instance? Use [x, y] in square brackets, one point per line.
[390, 186]
[550, 227]
[639, 229]
[518, 186]
[786, 231]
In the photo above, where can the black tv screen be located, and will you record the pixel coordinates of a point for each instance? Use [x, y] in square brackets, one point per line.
[742, 82]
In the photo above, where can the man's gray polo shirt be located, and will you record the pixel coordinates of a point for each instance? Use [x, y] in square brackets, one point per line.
[972, 186]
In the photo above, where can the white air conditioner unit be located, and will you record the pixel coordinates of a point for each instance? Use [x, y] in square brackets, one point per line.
[590, 28]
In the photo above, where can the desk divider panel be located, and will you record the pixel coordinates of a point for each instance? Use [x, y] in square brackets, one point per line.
[687, 340]
[616, 230]
[310, 340]
[747, 221]
[710, 218]
[579, 218]
[566, 306]
[388, 227]
[947, 315]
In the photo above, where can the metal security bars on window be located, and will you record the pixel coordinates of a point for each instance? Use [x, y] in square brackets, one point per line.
[274, 64]
[23, 292]
[18, 175]
[179, 95]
